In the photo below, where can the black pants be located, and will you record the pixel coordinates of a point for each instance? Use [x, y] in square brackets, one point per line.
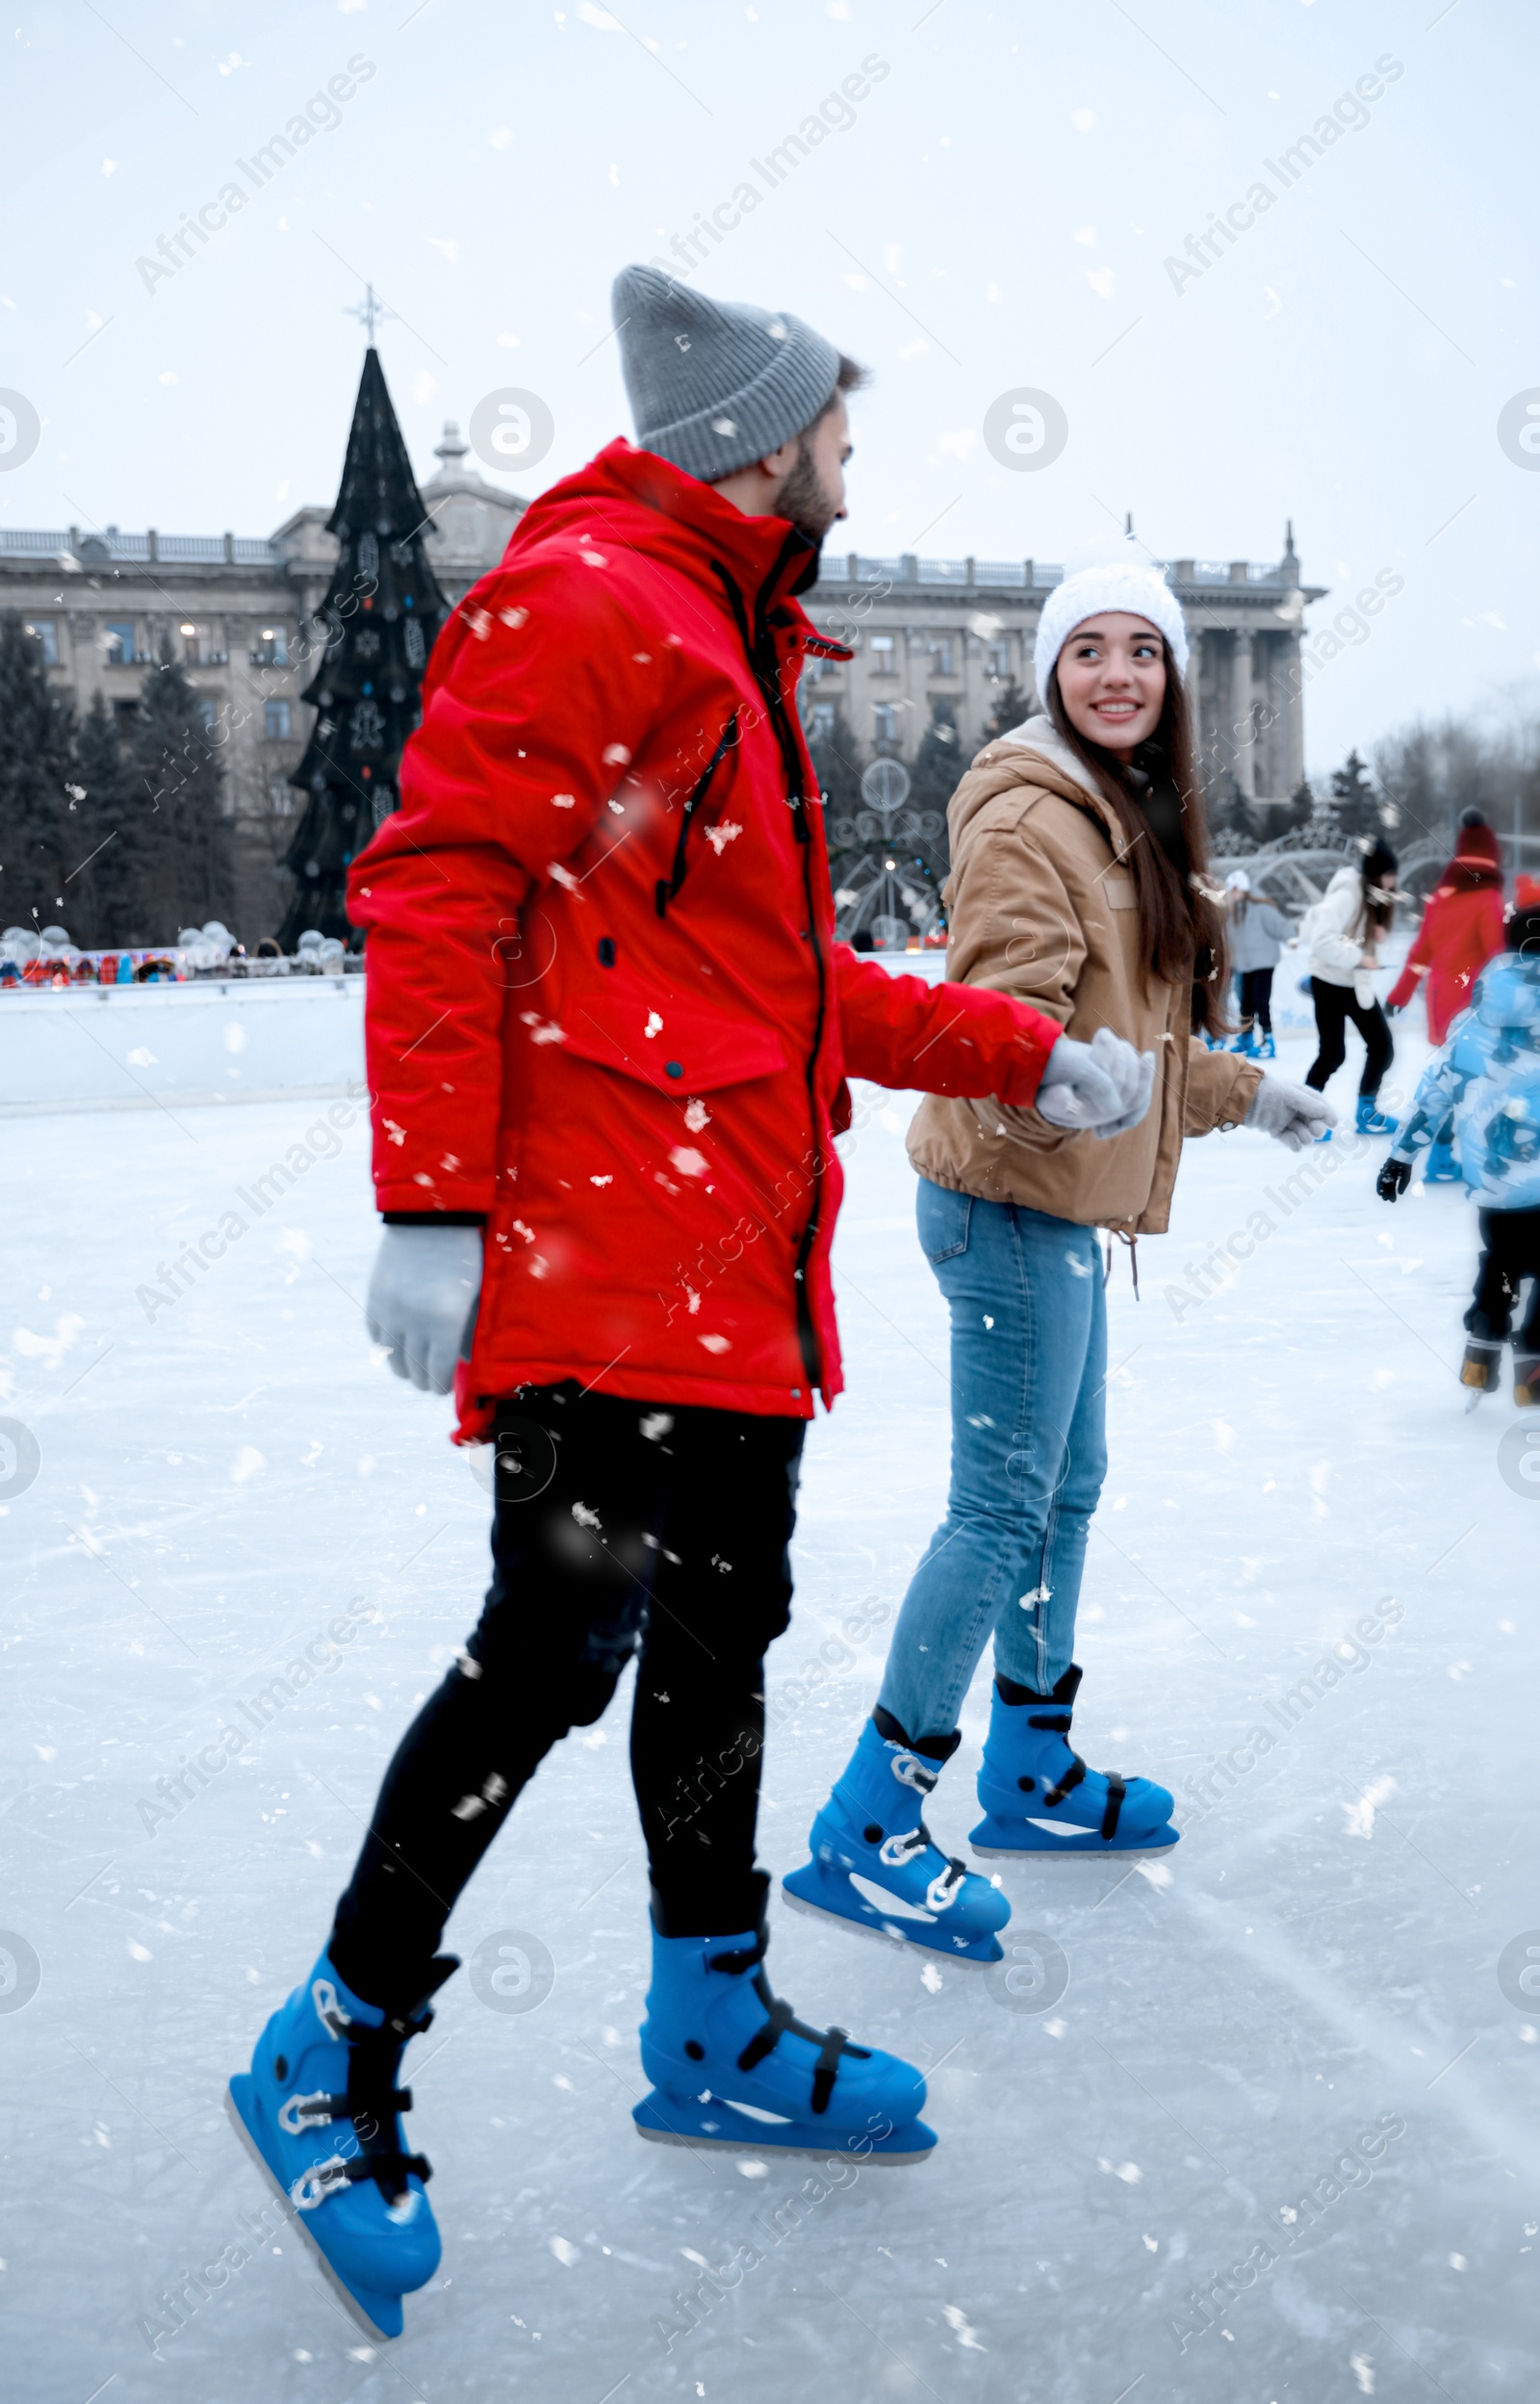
[1335, 1005]
[1510, 1252]
[1256, 998]
[620, 1527]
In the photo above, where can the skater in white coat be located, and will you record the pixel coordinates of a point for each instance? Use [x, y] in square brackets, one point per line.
[1342, 935]
[1078, 880]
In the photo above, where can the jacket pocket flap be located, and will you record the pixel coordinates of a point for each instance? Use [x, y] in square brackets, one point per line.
[675, 1046]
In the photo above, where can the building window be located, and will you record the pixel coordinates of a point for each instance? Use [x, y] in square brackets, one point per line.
[197, 643]
[882, 661]
[821, 721]
[281, 797]
[272, 649]
[206, 713]
[943, 655]
[120, 651]
[997, 661]
[818, 670]
[885, 723]
[45, 632]
[276, 721]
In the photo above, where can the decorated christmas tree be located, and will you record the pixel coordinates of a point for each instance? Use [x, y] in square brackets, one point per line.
[382, 610]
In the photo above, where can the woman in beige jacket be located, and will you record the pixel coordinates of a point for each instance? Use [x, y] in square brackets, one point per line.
[1079, 883]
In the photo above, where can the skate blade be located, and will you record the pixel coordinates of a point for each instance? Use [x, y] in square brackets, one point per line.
[1042, 1844]
[1478, 1394]
[357, 2311]
[863, 1919]
[676, 2120]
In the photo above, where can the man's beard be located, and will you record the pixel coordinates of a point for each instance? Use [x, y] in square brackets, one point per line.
[802, 499]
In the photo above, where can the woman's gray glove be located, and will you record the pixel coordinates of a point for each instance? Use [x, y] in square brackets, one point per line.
[1104, 1084]
[1296, 1114]
[423, 1297]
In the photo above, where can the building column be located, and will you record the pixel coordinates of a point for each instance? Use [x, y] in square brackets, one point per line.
[1240, 725]
[1290, 684]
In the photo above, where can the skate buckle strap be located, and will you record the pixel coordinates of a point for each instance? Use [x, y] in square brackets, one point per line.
[781, 2017]
[372, 2103]
[828, 2064]
[1116, 1789]
[1072, 1777]
[1057, 1721]
[898, 1851]
[746, 1957]
[297, 2109]
[941, 1892]
[329, 2010]
[313, 2185]
[909, 1770]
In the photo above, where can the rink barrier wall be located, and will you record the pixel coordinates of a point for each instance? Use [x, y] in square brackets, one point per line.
[139, 1047]
[231, 1040]
[222, 1040]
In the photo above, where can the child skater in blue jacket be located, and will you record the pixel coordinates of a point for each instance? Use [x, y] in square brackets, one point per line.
[1482, 1095]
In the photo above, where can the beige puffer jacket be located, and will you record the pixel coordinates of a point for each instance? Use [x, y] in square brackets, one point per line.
[1040, 907]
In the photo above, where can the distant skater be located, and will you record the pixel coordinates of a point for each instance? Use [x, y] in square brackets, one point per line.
[1461, 929]
[1257, 930]
[1342, 933]
[1481, 1097]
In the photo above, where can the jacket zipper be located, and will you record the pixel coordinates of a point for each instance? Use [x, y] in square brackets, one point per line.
[668, 886]
[759, 646]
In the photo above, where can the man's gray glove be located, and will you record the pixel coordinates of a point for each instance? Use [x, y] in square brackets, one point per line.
[423, 1297]
[1296, 1114]
[1104, 1084]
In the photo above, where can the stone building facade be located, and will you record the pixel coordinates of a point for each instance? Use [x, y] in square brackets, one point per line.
[959, 630]
[237, 612]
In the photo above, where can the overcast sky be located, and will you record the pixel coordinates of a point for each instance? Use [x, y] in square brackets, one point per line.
[999, 211]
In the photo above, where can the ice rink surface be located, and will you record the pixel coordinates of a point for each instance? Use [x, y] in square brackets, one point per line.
[1292, 2071]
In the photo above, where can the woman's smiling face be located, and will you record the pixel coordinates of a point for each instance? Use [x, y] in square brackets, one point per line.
[1112, 679]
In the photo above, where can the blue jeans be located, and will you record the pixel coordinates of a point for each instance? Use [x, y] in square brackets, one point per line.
[1028, 1454]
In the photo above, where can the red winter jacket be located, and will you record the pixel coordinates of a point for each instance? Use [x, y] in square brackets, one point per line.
[1461, 931]
[605, 1005]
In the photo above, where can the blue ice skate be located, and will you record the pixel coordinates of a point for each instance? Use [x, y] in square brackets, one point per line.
[730, 2065]
[318, 2113]
[1040, 1798]
[1266, 1050]
[1370, 1120]
[871, 1835]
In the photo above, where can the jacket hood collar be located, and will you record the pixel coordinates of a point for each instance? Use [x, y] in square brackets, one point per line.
[1033, 752]
[632, 496]
[1039, 734]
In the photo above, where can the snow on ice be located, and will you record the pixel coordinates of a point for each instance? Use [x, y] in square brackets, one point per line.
[1276, 2131]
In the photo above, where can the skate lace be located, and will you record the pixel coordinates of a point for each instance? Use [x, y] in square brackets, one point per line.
[780, 2018]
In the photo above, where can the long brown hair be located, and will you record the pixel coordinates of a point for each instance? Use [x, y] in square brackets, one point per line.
[1181, 928]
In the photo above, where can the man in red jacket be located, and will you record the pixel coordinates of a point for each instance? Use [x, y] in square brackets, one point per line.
[609, 1035]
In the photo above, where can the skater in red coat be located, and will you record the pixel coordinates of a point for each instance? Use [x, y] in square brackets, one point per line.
[608, 1033]
[1461, 929]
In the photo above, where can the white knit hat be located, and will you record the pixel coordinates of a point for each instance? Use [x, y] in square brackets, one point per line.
[1120, 584]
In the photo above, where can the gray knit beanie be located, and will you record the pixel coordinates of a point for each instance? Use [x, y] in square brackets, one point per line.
[714, 384]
